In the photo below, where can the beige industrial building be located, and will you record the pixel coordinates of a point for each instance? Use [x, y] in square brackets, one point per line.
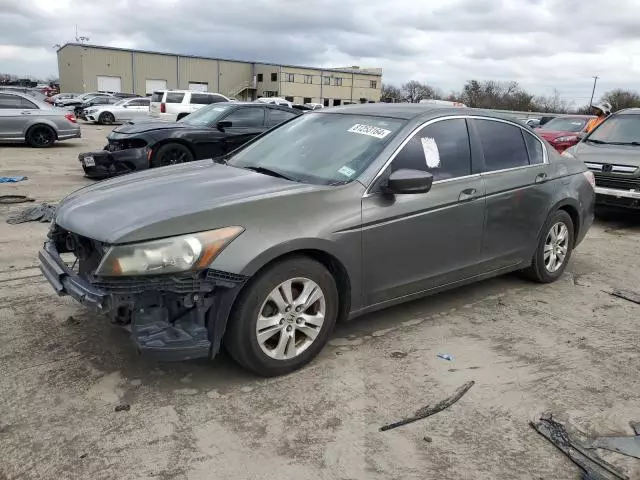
[87, 68]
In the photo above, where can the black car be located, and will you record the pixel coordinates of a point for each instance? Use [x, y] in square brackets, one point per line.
[78, 110]
[209, 132]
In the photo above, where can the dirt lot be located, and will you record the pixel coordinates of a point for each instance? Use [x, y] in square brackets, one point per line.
[569, 348]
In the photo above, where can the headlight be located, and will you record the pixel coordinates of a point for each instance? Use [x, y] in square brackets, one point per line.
[167, 255]
[568, 138]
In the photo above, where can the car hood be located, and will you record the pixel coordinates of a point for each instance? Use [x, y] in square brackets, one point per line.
[170, 201]
[612, 154]
[553, 134]
[132, 129]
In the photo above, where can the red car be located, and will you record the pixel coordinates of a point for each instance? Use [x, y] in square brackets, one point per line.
[562, 132]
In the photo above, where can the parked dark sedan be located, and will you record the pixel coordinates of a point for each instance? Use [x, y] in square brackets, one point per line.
[334, 214]
[209, 132]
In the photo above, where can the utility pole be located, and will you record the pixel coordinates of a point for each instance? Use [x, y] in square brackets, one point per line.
[595, 80]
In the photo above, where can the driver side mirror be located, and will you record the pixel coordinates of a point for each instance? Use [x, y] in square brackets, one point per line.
[224, 124]
[407, 181]
[125, 106]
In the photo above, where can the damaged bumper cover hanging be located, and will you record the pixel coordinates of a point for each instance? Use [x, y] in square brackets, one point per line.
[171, 317]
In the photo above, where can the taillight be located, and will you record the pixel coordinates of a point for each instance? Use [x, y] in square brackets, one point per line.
[590, 178]
[163, 108]
[71, 117]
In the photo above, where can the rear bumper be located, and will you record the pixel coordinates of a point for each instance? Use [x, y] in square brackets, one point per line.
[163, 117]
[109, 164]
[71, 133]
[157, 328]
[618, 197]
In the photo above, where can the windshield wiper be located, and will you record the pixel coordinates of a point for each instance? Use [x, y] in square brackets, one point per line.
[273, 173]
[599, 142]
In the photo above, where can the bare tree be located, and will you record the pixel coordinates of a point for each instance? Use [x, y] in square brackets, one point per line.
[390, 93]
[553, 103]
[414, 91]
[620, 99]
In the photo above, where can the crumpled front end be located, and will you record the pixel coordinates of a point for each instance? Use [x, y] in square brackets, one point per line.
[172, 317]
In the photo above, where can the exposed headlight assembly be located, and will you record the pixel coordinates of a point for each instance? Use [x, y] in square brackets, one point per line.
[567, 138]
[167, 255]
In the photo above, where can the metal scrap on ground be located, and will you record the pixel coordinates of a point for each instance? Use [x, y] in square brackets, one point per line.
[428, 410]
[594, 467]
[629, 446]
[626, 295]
[42, 212]
[7, 199]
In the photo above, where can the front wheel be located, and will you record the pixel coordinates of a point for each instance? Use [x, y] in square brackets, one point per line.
[554, 249]
[283, 318]
[171, 154]
[106, 118]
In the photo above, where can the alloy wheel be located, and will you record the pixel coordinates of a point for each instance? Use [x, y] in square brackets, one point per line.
[173, 157]
[291, 318]
[556, 247]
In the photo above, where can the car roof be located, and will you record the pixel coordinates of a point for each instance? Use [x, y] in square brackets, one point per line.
[189, 91]
[410, 111]
[628, 111]
[272, 106]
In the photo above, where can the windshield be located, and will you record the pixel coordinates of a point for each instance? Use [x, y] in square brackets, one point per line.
[618, 129]
[206, 116]
[320, 148]
[566, 124]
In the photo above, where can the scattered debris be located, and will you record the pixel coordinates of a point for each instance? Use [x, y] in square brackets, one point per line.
[123, 407]
[83, 455]
[42, 212]
[72, 320]
[445, 356]
[629, 446]
[427, 439]
[398, 354]
[594, 467]
[8, 199]
[12, 179]
[627, 295]
[428, 410]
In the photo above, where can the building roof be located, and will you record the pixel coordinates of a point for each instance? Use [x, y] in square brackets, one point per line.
[376, 72]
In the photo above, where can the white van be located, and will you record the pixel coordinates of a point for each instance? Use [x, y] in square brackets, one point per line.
[442, 103]
[172, 105]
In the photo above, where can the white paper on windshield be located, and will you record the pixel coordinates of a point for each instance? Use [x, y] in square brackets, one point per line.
[369, 130]
[346, 171]
[431, 152]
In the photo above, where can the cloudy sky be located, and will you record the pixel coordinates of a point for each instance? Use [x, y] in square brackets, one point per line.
[543, 44]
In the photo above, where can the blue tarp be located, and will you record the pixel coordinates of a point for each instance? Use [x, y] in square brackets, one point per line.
[11, 179]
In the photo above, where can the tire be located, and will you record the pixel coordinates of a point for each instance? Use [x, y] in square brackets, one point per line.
[285, 325]
[541, 270]
[171, 154]
[106, 118]
[41, 136]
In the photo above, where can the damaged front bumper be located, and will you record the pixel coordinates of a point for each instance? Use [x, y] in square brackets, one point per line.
[171, 318]
[104, 163]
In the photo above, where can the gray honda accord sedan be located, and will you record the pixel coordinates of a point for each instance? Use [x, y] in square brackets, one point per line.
[328, 216]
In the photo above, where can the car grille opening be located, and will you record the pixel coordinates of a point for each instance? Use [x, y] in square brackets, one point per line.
[620, 183]
[117, 145]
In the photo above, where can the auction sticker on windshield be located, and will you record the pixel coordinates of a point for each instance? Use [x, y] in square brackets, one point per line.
[369, 130]
[346, 171]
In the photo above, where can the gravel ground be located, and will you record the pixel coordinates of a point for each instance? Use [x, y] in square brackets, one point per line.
[569, 348]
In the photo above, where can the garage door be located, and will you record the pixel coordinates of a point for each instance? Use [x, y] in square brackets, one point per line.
[154, 85]
[198, 86]
[109, 84]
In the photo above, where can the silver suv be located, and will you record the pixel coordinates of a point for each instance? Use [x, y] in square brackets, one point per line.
[172, 105]
[24, 119]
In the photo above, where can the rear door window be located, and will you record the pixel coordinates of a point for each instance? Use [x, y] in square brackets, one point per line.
[28, 105]
[502, 145]
[174, 97]
[246, 117]
[441, 148]
[10, 101]
[276, 117]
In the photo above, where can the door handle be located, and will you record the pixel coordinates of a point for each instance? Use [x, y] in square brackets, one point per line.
[468, 194]
[25, 113]
[541, 178]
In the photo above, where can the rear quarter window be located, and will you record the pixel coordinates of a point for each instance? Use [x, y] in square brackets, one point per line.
[173, 97]
[157, 97]
[534, 148]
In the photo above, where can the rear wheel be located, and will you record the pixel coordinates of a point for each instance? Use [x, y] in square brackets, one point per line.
[171, 154]
[41, 136]
[106, 118]
[554, 249]
[283, 318]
